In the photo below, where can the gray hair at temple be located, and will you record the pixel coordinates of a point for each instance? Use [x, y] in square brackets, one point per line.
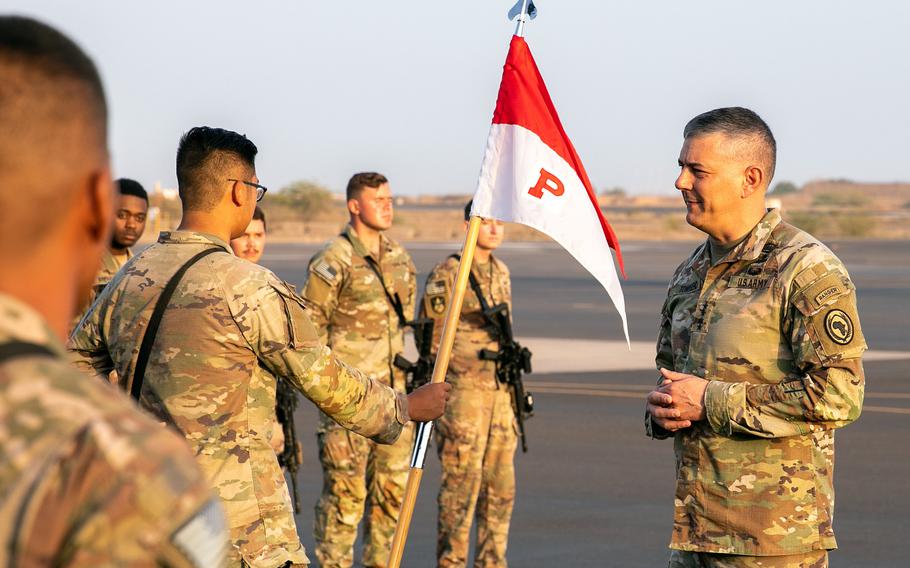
[744, 127]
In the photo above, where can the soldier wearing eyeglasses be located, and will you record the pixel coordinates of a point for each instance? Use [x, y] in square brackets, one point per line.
[229, 331]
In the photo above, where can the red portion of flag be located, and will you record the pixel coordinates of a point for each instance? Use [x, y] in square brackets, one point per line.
[524, 101]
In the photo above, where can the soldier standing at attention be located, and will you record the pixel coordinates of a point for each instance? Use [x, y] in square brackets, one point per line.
[207, 364]
[477, 436]
[361, 289]
[759, 351]
[86, 479]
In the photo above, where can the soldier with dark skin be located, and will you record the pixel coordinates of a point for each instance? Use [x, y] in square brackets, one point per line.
[477, 436]
[230, 330]
[131, 205]
[759, 353]
[86, 478]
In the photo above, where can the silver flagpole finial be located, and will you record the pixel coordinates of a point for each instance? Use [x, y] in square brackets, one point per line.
[524, 10]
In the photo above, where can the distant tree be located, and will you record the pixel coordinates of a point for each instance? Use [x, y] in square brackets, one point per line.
[784, 188]
[613, 192]
[307, 198]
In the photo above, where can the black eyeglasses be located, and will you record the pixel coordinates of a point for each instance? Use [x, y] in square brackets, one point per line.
[260, 189]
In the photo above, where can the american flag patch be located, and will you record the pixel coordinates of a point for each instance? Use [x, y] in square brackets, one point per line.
[436, 288]
[324, 271]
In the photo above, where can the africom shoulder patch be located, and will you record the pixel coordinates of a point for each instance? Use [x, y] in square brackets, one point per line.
[839, 327]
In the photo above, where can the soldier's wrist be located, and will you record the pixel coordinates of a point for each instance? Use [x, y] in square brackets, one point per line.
[402, 414]
[716, 407]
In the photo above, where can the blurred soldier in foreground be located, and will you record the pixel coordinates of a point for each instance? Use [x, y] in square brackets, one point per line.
[207, 365]
[85, 478]
[250, 246]
[362, 288]
[477, 436]
[759, 351]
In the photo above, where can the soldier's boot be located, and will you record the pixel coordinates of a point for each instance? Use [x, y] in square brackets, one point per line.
[461, 439]
[387, 475]
[497, 489]
[343, 455]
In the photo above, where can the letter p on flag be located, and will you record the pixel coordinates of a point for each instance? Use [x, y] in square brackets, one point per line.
[549, 182]
[528, 148]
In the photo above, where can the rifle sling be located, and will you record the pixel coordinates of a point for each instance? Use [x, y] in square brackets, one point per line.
[151, 331]
[15, 349]
[394, 301]
[484, 305]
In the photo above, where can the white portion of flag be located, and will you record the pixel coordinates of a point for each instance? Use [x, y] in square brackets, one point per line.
[511, 166]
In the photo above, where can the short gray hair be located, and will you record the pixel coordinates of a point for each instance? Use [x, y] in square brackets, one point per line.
[738, 123]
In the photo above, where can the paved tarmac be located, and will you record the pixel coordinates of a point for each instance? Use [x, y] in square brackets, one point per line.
[592, 490]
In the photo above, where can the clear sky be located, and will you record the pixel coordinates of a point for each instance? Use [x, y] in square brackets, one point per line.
[326, 88]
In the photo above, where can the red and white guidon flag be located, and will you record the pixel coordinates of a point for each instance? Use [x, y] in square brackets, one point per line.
[532, 175]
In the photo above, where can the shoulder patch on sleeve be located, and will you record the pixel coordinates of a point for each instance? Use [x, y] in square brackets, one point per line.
[325, 271]
[203, 538]
[436, 297]
[817, 291]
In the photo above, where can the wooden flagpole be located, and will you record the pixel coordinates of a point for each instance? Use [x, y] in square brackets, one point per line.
[424, 429]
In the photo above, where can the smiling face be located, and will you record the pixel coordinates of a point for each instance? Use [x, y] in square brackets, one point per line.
[714, 183]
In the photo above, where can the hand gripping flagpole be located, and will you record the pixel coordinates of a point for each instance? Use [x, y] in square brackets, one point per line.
[444, 353]
[424, 429]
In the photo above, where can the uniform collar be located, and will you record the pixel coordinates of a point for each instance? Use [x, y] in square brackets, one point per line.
[751, 247]
[358, 245]
[192, 238]
[20, 322]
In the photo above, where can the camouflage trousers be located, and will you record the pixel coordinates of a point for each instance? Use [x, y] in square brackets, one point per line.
[476, 440]
[357, 474]
[685, 559]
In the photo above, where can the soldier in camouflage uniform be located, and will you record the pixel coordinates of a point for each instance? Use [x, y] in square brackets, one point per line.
[85, 478]
[230, 329]
[361, 289]
[129, 223]
[760, 354]
[477, 436]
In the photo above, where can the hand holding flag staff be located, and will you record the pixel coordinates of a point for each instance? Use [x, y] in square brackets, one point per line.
[531, 175]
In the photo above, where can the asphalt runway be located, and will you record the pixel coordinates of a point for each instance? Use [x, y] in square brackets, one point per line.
[592, 490]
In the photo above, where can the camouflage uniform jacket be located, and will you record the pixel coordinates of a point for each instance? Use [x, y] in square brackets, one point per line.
[351, 311]
[85, 478]
[466, 369]
[231, 328]
[773, 326]
[110, 265]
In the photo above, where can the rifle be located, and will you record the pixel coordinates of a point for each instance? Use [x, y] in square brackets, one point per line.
[290, 456]
[420, 371]
[511, 361]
